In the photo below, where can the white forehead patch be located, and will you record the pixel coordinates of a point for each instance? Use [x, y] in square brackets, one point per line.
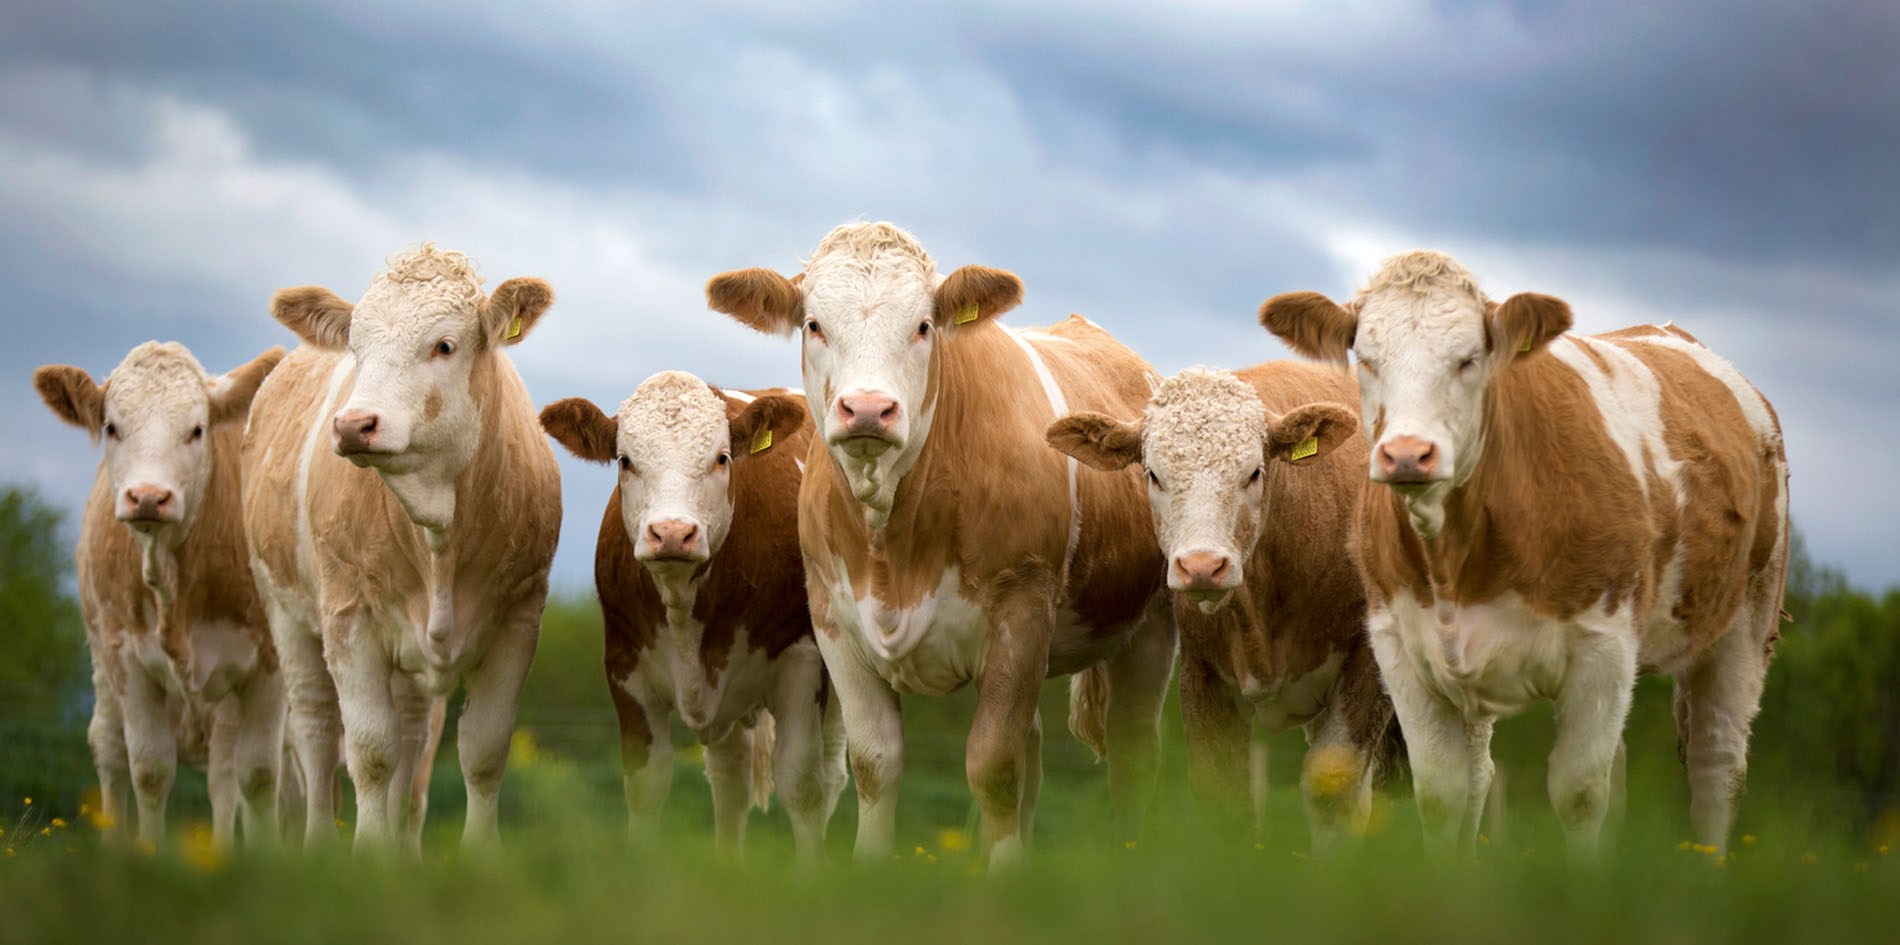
[672, 415]
[158, 378]
[1421, 293]
[860, 268]
[422, 282]
[1202, 419]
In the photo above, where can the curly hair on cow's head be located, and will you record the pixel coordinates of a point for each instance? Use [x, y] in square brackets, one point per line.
[427, 262]
[1422, 271]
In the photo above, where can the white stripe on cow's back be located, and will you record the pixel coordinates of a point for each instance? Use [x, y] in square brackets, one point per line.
[1060, 406]
[1754, 406]
[1629, 399]
[739, 395]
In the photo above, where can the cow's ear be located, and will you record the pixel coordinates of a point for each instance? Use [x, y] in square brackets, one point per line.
[759, 299]
[72, 396]
[316, 314]
[766, 423]
[581, 427]
[1311, 324]
[1525, 322]
[1306, 433]
[513, 310]
[1097, 439]
[974, 293]
[231, 394]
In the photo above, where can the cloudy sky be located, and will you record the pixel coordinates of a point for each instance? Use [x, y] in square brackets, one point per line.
[1731, 166]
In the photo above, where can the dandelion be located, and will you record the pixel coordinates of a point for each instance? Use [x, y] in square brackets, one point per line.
[1684, 845]
[59, 822]
[1882, 849]
[920, 851]
[1748, 839]
[1260, 846]
[951, 840]
[100, 820]
[930, 857]
[46, 831]
[29, 802]
[1483, 840]
[202, 852]
[1130, 845]
[10, 852]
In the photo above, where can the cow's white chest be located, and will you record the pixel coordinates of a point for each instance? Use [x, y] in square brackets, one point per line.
[1282, 704]
[1490, 659]
[743, 686]
[933, 646]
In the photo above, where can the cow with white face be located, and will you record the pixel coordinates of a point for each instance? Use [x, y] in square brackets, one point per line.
[1253, 485]
[702, 592]
[402, 510]
[944, 543]
[1555, 513]
[182, 658]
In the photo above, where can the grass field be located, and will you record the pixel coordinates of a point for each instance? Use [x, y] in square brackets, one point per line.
[1803, 868]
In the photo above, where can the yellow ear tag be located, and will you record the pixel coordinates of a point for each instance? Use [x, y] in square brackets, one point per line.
[514, 327]
[762, 442]
[1526, 346]
[967, 316]
[1307, 447]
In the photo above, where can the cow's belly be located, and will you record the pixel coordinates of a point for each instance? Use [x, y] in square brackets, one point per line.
[937, 645]
[1490, 659]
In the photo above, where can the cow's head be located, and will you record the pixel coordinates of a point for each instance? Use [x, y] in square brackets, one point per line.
[676, 443]
[157, 411]
[1206, 443]
[873, 315]
[1428, 344]
[423, 336]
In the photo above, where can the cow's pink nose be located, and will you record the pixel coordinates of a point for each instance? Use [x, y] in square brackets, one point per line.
[148, 503]
[867, 414]
[355, 430]
[1406, 459]
[1201, 571]
[674, 539]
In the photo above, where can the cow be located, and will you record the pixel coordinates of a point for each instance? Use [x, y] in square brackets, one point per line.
[1552, 514]
[702, 593]
[945, 544]
[1253, 478]
[182, 661]
[402, 508]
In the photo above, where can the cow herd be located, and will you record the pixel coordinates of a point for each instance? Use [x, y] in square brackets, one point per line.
[292, 566]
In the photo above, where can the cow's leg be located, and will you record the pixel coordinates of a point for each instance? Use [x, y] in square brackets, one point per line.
[1717, 699]
[729, 769]
[488, 722]
[1439, 744]
[874, 737]
[996, 757]
[1479, 773]
[1137, 685]
[1257, 770]
[646, 760]
[1590, 710]
[1032, 778]
[1218, 737]
[371, 729]
[152, 749]
[1335, 782]
[106, 736]
[315, 722]
[412, 704]
[290, 794]
[805, 785]
[221, 772]
[258, 755]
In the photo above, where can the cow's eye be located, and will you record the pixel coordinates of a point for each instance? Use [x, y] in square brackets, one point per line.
[1369, 367]
[1153, 479]
[626, 465]
[197, 433]
[112, 431]
[445, 347]
[1255, 477]
[812, 329]
[723, 459]
[1465, 366]
[923, 329]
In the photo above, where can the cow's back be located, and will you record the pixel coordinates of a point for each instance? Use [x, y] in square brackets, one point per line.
[282, 437]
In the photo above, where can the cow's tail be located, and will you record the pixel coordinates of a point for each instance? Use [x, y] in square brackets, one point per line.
[1088, 708]
[425, 765]
[764, 733]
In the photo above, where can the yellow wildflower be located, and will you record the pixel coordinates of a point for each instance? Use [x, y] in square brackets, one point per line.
[1882, 849]
[10, 852]
[59, 822]
[29, 802]
[202, 852]
[920, 851]
[1748, 839]
[1684, 845]
[100, 820]
[46, 831]
[1130, 845]
[1260, 846]
[951, 840]
[1483, 840]
[932, 857]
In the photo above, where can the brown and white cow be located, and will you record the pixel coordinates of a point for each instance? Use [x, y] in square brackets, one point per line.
[944, 543]
[402, 508]
[182, 661]
[1253, 485]
[1560, 512]
[702, 592]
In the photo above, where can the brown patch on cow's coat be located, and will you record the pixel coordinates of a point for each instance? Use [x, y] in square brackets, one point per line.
[432, 405]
